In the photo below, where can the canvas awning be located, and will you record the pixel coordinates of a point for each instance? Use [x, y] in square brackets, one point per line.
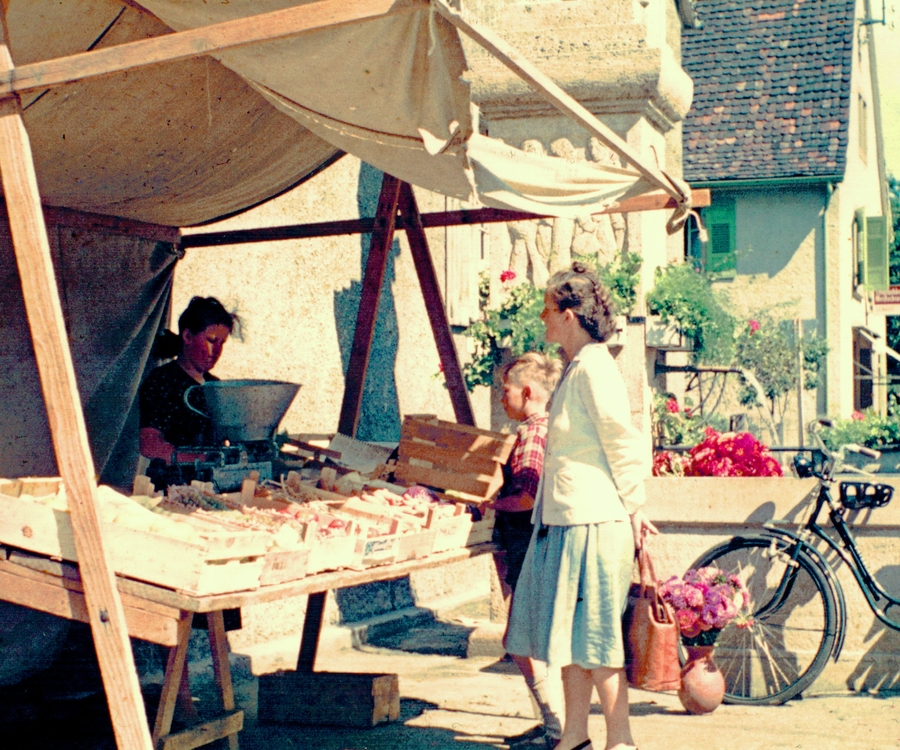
[188, 140]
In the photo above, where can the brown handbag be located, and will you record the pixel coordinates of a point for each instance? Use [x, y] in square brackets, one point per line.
[651, 634]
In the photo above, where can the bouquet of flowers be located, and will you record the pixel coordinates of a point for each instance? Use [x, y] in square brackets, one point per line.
[705, 600]
[728, 454]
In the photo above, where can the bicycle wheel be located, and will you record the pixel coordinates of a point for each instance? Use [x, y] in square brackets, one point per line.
[792, 632]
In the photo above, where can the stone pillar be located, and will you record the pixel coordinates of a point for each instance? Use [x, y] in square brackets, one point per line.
[619, 59]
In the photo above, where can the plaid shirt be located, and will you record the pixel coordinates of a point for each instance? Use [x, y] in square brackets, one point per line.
[522, 472]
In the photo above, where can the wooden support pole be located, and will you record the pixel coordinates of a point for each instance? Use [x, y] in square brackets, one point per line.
[70, 440]
[434, 305]
[376, 264]
[466, 216]
[201, 41]
[312, 628]
[529, 73]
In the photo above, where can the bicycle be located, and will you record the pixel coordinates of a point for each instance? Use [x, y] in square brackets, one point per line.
[797, 612]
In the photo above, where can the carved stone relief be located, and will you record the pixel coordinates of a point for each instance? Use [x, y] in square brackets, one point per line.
[541, 247]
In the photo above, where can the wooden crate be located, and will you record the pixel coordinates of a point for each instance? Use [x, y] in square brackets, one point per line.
[212, 562]
[452, 457]
[325, 698]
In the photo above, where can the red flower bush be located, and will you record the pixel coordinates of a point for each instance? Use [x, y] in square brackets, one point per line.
[729, 454]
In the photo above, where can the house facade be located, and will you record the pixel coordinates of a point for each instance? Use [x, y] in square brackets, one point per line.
[785, 132]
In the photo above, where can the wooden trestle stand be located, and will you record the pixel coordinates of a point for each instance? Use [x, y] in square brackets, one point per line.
[91, 592]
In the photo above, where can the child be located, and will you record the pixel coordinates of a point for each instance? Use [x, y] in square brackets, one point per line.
[527, 385]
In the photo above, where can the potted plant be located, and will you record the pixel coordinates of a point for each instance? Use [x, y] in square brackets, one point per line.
[872, 430]
[684, 296]
[704, 601]
[515, 327]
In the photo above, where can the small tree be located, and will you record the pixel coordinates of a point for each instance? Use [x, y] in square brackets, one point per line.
[769, 351]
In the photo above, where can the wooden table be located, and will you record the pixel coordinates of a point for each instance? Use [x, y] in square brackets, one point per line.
[164, 616]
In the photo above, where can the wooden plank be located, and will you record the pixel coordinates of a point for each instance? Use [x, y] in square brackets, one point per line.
[449, 459]
[175, 666]
[648, 202]
[376, 264]
[49, 594]
[210, 731]
[321, 582]
[70, 441]
[477, 485]
[330, 698]
[434, 306]
[218, 646]
[493, 43]
[201, 41]
[495, 446]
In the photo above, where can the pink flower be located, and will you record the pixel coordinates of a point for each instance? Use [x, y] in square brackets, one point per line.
[754, 326]
[672, 406]
[857, 416]
[507, 275]
[706, 599]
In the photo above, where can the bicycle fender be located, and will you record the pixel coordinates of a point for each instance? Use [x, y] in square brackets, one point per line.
[830, 576]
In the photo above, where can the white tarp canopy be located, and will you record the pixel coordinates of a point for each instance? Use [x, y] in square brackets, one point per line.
[187, 141]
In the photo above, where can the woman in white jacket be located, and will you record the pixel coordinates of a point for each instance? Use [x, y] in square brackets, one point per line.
[568, 605]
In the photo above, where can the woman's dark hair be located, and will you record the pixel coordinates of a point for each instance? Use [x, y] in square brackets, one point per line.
[200, 313]
[578, 289]
[203, 312]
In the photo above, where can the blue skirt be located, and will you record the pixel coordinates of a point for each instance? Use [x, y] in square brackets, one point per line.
[571, 594]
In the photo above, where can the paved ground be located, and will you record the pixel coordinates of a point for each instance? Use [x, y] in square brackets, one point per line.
[449, 702]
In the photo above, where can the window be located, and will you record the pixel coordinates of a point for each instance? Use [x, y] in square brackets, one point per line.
[719, 249]
[863, 372]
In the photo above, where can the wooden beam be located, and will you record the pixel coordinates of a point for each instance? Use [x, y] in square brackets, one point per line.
[529, 73]
[201, 41]
[373, 278]
[647, 202]
[66, 418]
[434, 306]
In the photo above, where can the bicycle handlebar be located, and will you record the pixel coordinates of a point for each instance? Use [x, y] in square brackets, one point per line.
[835, 461]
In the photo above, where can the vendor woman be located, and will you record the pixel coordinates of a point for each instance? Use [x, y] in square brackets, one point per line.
[166, 423]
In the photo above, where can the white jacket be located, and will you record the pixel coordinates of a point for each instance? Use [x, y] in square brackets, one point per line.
[596, 459]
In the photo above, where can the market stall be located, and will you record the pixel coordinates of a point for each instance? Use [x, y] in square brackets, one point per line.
[177, 181]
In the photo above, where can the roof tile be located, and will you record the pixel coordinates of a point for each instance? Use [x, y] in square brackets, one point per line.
[771, 89]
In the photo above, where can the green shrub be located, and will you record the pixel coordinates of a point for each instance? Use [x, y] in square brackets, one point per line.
[686, 297]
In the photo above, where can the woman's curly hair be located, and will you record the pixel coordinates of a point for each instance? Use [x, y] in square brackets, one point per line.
[580, 290]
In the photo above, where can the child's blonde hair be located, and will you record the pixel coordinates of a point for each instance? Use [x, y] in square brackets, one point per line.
[534, 369]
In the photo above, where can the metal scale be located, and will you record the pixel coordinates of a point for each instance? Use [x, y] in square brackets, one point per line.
[245, 415]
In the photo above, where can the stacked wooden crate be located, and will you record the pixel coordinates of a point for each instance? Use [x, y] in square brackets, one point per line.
[464, 463]
[202, 558]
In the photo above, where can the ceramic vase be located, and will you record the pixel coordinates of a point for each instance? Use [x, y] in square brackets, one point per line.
[702, 684]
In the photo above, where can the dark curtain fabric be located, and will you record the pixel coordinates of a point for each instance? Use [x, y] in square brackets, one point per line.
[115, 292]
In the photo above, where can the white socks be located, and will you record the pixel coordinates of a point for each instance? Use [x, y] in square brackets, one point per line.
[546, 692]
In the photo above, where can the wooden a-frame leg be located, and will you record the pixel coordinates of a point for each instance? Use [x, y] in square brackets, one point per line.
[176, 670]
[376, 264]
[218, 645]
[434, 305]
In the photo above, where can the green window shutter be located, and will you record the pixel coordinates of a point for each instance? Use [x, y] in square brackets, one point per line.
[877, 263]
[720, 245]
[859, 219]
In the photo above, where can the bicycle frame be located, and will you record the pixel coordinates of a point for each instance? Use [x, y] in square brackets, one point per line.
[847, 551]
[852, 557]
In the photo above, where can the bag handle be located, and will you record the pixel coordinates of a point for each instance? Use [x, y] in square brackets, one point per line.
[649, 583]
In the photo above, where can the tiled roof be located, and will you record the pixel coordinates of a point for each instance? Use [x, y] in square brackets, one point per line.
[771, 89]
